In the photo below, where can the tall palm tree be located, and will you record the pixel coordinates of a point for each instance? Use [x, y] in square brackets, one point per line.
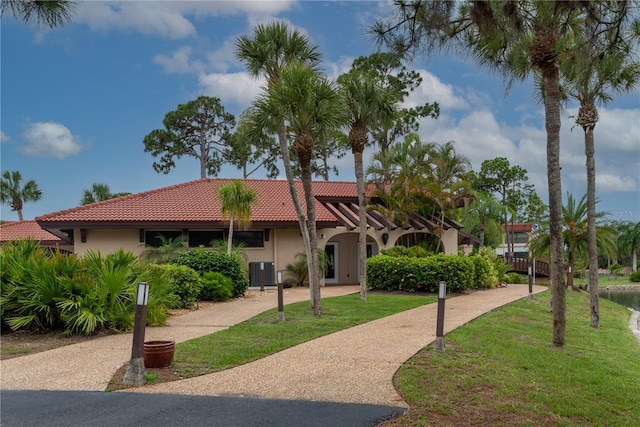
[368, 102]
[629, 242]
[13, 194]
[236, 205]
[516, 38]
[589, 82]
[311, 106]
[575, 237]
[265, 54]
[50, 13]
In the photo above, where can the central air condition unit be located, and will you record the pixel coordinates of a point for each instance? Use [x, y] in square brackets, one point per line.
[269, 273]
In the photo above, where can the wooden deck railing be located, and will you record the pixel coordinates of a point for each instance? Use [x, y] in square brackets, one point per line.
[521, 266]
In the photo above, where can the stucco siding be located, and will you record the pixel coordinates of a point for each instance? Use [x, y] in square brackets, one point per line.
[108, 241]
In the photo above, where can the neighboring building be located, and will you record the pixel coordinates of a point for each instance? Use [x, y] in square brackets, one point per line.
[193, 210]
[519, 235]
[20, 230]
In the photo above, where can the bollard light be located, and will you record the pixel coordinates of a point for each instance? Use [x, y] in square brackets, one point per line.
[439, 342]
[143, 293]
[136, 373]
[442, 291]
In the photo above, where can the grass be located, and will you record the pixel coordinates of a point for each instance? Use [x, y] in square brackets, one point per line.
[606, 280]
[263, 335]
[501, 369]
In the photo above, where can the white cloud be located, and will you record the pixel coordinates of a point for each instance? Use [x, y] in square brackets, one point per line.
[179, 62]
[433, 90]
[166, 18]
[238, 88]
[615, 183]
[4, 137]
[50, 139]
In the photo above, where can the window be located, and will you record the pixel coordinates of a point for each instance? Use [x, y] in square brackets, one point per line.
[520, 238]
[204, 237]
[250, 239]
[152, 237]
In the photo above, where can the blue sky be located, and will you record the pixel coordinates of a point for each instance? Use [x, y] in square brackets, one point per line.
[77, 101]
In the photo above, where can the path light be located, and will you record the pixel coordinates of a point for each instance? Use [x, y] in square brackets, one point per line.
[280, 315]
[439, 342]
[136, 374]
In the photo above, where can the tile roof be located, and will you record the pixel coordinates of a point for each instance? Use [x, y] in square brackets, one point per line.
[18, 230]
[520, 227]
[198, 202]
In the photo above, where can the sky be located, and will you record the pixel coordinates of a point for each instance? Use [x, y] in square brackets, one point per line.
[77, 101]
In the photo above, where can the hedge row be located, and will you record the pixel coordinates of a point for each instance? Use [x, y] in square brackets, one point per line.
[411, 274]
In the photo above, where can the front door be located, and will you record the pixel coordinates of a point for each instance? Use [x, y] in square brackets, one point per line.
[332, 274]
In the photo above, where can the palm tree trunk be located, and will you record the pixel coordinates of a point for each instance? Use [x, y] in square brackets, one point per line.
[20, 217]
[304, 230]
[550, 76]
[230, 237]
[314, 270]
[592, 245]
[362, 208]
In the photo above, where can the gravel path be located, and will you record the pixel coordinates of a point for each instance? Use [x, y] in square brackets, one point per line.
[355, 365]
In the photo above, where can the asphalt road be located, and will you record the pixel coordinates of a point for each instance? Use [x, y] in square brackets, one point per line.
[93, 409]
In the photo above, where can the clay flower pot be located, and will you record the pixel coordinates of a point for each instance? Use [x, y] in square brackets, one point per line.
[158, 354]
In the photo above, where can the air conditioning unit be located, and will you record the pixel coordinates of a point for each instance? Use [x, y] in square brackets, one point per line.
[269, 274]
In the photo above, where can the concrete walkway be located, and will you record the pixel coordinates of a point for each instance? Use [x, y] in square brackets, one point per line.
[355, 365]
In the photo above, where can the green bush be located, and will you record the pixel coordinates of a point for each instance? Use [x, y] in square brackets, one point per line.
[184, 282]
[217, 287]
[413, 251]
[49, 290]
[616, 269]
[485, 277]
[412, 274]
[211, 261]
[635, 276]
[517, 278]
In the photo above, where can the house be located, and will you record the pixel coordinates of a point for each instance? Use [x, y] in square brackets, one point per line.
[19, 230]
[519, 235]
[193, 210]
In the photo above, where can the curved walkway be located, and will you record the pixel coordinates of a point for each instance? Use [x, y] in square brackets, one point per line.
[354, 365]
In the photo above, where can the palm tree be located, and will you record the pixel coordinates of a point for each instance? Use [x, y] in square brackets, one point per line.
[14, 195]
[50, 13]
[517, 38]
[447, 184]
[236, 205]
[575, 237]
[629, 241]
[97, 193]
[270, 49]
[482, 214]
[311, 106]
[368, 103]
[396, 174]
[589, 82]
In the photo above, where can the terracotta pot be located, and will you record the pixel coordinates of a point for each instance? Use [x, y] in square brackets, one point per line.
[158, 354]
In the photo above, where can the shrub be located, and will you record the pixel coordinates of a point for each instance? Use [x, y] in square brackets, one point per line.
[78, 295]
[635, 276]
[211, 261]
[485, 276]
[413, 251]
[410, 274]
[217, 287]
[184, 282]
[517, 278]
[616, 269]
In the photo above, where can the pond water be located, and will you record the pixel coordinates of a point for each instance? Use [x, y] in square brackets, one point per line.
[628, 298]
